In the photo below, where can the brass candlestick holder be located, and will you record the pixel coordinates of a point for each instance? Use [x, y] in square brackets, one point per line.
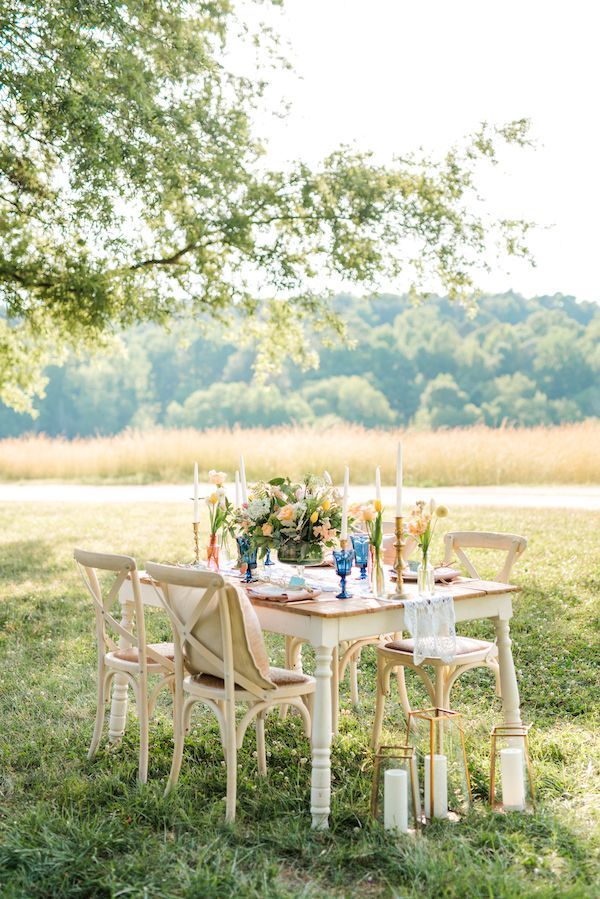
[196, 526]
[399, 544]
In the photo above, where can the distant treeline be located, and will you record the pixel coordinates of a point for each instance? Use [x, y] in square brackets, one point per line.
[518, 361]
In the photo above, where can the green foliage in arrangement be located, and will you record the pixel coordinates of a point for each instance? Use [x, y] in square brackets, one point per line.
[517, 361]
[73, 828]
[133, 189]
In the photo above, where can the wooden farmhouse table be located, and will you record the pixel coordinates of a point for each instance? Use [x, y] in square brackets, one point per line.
[324, 622]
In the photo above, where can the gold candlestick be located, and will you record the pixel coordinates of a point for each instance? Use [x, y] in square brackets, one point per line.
[196, 526]
[399, 545]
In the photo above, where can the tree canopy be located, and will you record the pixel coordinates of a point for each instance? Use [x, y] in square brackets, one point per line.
[133, 188]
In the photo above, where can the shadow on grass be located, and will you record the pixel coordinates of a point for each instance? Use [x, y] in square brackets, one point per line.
[26, 560]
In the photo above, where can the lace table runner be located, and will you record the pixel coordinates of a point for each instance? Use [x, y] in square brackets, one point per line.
[430, 623]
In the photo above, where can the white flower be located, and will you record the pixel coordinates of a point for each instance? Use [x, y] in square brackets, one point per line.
[258, 508]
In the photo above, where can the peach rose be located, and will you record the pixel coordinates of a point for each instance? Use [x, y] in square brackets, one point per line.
[217, 477]
[267, 529]
[286, 513]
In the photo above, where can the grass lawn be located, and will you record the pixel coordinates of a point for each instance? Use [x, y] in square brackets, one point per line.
[69, 827]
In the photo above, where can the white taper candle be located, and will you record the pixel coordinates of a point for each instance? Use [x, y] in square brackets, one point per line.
[237, 490]
[513, 779]
[378, 483]
[395, 800]
[243, 480]
[196, 498]
[440, 786]
[344, 531]
[399, 482]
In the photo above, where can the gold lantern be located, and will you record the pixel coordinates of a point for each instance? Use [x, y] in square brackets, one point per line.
[438, 739]
[510, 745]
[402, 805]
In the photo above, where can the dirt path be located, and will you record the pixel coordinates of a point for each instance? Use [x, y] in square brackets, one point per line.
[586, 498]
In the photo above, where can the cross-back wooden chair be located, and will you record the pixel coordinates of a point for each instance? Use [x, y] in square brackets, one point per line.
[122, 647]
[398, 654]
[219, 643]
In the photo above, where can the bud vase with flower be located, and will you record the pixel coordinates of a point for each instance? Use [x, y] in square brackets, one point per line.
[372, 516]
[422, 526]
[219, 513]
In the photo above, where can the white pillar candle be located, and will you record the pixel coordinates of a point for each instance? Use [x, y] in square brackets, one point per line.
[513, 779]
[399, 482]
[440, 786]
[395, 800]
[243, 480]
[378, 484]
[344, 532]
[237, 490]
[196, 499]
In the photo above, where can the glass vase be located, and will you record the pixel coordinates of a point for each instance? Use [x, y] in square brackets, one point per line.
[377, 572]
[425, 578]
[212, 553]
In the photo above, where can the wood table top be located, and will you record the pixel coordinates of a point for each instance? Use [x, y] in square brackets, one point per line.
[327, 606]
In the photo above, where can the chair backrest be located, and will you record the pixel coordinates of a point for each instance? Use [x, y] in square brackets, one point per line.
[512, 545]
[110, 630]
[215, 626]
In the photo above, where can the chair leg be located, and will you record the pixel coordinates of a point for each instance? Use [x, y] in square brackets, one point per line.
[178, 740]
[401, 682]
[260, 744]
[104, 679]
[230, 761]
[354, 678]
[144, 717]
[293, 662]
[382, 687]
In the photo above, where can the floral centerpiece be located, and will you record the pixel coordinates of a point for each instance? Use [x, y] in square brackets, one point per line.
[298, 519]
[422, 526]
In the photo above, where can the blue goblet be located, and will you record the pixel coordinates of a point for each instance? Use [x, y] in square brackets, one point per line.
[343, 565]
[360, 542]
[268, 559]
[247, 551]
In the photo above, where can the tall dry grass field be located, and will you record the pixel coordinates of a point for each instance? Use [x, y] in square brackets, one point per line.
[567, 454]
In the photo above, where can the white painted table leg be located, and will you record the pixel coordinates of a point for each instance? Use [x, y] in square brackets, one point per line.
[321, 740]
[120, 693]
[508, 677]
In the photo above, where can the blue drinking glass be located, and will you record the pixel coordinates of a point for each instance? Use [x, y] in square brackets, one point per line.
[343, 565]
[268, 559]
[360, 542]
[248, 552]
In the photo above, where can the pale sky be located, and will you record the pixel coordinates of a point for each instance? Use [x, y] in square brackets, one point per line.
[394, 75]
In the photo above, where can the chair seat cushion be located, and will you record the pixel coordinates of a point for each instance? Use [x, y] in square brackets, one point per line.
[131, 655]
[464, 645]
[281, 677]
